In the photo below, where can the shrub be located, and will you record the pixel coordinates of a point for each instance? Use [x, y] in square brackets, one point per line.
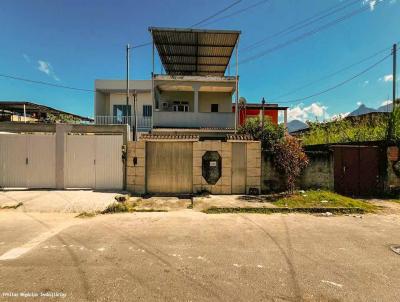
[268, 135]
[290, 160]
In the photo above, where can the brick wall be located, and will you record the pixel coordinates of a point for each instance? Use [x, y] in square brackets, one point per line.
[136, 179]
[223, 185]
[253, 166]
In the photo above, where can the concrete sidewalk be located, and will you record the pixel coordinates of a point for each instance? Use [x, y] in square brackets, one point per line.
[61, 201]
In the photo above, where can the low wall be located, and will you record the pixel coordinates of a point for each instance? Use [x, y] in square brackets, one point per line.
[136, 166]
[317, 175]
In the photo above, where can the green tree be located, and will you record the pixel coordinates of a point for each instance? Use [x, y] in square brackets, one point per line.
[268, 135]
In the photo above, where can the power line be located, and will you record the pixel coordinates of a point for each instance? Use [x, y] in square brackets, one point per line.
[217, 13]
[303, 23]
[303, 36]
[45, 83]
[330, 74]
[198, 23]
[339, 84]
[237, 12]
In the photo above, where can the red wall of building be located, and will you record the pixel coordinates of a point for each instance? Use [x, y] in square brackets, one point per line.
[253, 113]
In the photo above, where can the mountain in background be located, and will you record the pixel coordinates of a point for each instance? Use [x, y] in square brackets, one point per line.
[386, 108]
[296, 125]
[362, 110]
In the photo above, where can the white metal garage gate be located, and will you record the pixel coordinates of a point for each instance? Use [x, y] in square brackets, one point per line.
[94, 161]
[90, 161]
[28, 160]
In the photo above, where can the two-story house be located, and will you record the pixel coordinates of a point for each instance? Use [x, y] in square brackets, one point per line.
[194, 94]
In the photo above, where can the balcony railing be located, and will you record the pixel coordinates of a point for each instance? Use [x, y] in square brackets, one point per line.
[143, 122]
[173, 119]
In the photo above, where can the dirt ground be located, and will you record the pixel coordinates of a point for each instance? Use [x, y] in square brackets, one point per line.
[190, 256]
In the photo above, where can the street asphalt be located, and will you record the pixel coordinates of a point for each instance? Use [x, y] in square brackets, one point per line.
[191, 256]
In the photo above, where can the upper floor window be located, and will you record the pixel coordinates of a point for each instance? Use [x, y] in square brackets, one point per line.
[214, 107]
[120, 112]
[147, 110]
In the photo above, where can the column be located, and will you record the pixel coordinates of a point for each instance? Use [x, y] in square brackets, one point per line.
[196, 98]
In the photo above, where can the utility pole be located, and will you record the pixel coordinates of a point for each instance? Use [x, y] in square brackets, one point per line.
[394, 74]
[391, 117]
[127, 84]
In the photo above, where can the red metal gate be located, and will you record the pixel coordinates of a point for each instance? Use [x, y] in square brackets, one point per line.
[357, 170]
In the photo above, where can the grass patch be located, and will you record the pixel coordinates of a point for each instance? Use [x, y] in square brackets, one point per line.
[284, 210]
[323, 199]
[118, 207]
[126, 207]
[86, 215]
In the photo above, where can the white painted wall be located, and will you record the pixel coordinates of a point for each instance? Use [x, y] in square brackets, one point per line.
[120, 99]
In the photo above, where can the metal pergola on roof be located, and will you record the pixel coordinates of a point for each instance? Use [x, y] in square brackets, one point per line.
[196, 52]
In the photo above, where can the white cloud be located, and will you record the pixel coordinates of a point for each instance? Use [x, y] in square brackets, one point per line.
[371, 3]
[46, 68]
[26, 57]
[385, 103]
[339, 116]
[388, 78]
[310, 112]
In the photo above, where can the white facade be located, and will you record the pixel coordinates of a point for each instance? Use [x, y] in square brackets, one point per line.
[168, 102]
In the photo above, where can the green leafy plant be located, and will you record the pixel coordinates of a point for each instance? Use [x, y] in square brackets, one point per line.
[268, 135]
[356, 129]
[290, 160]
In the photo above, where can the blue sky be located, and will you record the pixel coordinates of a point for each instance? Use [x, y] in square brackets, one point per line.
[75, 42]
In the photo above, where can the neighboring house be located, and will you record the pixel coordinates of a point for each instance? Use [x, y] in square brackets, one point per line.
[193, 95]
[11, 111]
[254, 110]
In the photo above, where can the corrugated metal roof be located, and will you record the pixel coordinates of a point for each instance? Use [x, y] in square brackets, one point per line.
[194, 51]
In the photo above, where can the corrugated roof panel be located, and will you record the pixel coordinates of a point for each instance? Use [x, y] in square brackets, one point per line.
[194, 52]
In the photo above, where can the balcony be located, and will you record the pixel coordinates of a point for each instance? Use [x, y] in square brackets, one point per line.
[172, 119]
[143, 122]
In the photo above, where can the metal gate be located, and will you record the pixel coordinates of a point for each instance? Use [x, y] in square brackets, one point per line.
[27, 160]
[94, 161]
[357, 170]
[169, 167]
[238, 168]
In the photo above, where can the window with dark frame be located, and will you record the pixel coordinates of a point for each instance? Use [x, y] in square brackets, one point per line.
[214, 107]
[147, 110]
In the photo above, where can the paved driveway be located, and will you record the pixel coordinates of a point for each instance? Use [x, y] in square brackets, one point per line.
[66, 201]
[191, 256]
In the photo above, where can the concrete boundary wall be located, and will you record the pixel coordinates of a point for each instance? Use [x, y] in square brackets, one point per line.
[136, 167]
[317, 175]
[136, 162]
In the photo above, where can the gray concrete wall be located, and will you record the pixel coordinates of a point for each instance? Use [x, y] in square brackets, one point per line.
[318, 174]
